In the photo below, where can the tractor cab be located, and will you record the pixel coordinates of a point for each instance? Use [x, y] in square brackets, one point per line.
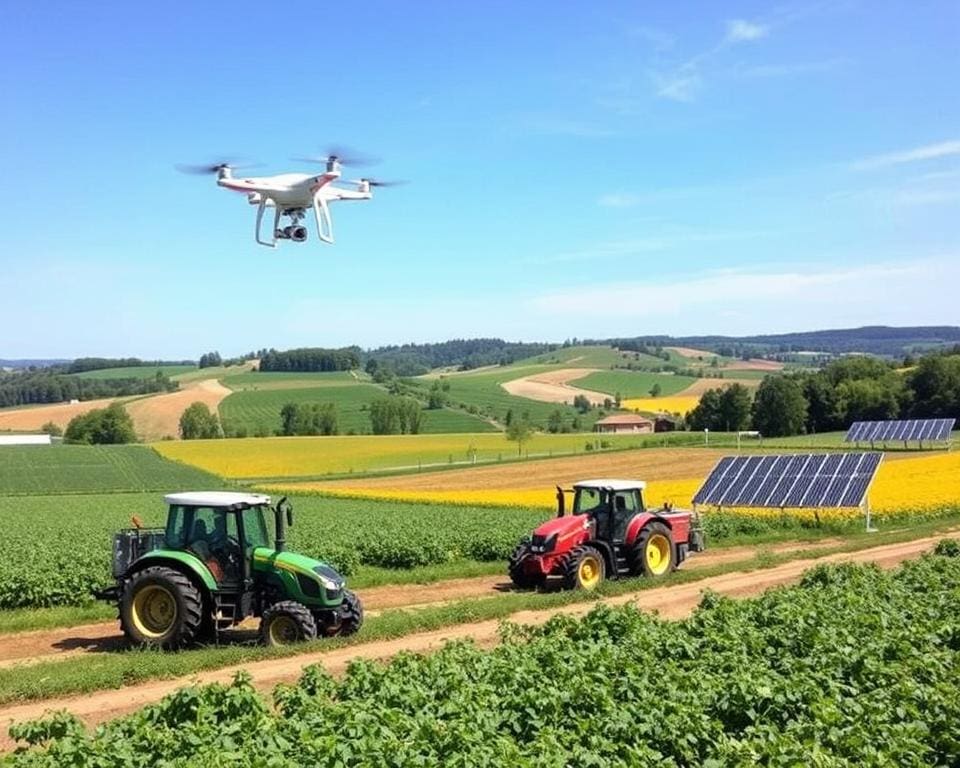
[608, 533]
[220, 559]
[609, 504]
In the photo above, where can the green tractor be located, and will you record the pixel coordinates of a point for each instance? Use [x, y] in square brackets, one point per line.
[216, 564]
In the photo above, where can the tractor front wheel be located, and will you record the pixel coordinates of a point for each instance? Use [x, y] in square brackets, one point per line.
[653, 552]
[287, 622]
[162, 608]
[351, 612]
[583, 568]
[520, 578]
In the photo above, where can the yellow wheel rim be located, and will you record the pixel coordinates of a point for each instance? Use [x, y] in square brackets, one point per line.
[283, 630]
[589, 572]
[154, 611]
[658, 554]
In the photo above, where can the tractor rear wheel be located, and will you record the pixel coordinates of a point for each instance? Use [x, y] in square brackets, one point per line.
[162, 608]
[287, 622]
[520, 578]
[583, 568]
[653, 553]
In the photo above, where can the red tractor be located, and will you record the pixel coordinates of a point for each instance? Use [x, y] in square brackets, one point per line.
[610, 533]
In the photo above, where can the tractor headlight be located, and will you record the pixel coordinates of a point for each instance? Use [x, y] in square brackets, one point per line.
[541, 545]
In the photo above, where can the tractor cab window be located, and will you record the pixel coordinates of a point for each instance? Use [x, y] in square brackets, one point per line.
[625, 505]
[256, 532]
[588, 501]
[210, 534]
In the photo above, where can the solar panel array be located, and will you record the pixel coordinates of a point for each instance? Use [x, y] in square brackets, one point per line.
[796, 480]
[900, 431]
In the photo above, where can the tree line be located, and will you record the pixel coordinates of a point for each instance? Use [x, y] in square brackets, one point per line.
[34, 387]
[848, 390]
[83, 364]
[311, 359]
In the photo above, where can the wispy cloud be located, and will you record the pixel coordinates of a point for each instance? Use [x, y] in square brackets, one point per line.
[787, 297]
[684, 81]
[740, 31]
[949, 148]
[790, 70]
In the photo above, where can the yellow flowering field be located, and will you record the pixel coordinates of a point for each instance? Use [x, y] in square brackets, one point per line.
[278, 457]
[676, 404]
[902, 484]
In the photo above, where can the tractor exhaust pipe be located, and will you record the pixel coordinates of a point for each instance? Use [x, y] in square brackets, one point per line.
[284, 516]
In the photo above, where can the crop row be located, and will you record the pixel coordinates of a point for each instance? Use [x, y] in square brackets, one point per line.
[55, 550]
[853, 667]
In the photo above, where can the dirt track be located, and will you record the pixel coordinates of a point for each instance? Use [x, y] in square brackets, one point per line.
[671, 602]
[34, 417]
[552, 387]
[48, 644]
[158, 416]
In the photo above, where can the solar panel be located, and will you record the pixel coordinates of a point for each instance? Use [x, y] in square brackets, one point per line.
[793, 480]
[908, 430]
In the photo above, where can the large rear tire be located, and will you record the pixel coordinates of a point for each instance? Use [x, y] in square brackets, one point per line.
[161, 608]
[583, 568]
[286, 623]
[654, 553]
[520, 578]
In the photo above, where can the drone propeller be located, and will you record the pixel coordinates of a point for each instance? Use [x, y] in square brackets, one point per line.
[379, 183]
[213, 167]
[342, 155]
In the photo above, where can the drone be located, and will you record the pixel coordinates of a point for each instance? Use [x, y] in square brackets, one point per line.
[291, 195]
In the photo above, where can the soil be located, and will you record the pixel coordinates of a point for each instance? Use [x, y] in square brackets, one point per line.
[673, 602]
[157, 417]
[34, 417]
[552, 387]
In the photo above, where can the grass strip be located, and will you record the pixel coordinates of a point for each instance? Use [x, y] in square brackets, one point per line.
[93, 672]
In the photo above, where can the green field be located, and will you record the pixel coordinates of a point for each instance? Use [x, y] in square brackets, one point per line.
[59, 548]
[633, 383]
[137, 372]
[258, 410]
[275, 380]
[483, 392]
[29, 469]
[586, 357]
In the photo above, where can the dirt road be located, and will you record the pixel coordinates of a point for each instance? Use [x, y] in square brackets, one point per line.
[552, 386]
[671, 602]
[157, 417]
[60, 643]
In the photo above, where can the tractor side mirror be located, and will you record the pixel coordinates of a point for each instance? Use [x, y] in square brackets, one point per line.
[289, 515]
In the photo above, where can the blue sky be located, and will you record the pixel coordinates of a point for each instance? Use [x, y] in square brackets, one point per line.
[577, 169]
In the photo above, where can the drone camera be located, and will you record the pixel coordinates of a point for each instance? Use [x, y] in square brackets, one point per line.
[296, 233]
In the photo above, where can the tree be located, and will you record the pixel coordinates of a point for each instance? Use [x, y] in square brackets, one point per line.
[52, 429]
[734, 408]
[555, 421]
[101, 426]
[617, 399]
[656, 389]
[198, 423]
[779, 408]
[436, 398]
[520, 431]
[308, 419]
[210, 360]
[396, 415]
[409, 415]
[582, 403]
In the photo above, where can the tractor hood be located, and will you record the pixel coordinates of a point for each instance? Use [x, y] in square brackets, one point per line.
[265, 559]
[565, 531]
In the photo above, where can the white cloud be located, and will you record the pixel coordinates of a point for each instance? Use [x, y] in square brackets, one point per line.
[916, 154]
[681, 85]
[618, 200]
[741, 31]
[807, 297]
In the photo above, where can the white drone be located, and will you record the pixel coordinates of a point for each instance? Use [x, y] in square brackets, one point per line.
[291, 194]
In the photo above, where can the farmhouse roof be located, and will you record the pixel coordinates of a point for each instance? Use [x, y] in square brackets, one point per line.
[625, 419]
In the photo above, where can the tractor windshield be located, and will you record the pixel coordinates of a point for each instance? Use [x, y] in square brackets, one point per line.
[588, 501]
[255, 528]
